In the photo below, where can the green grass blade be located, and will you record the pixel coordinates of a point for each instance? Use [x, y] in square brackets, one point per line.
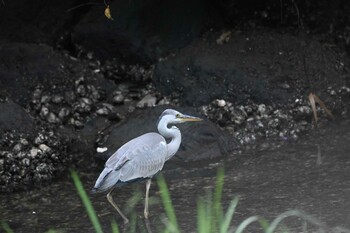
[228, 216]
[210, 220]
[202, 217]
[86, 201]
[243, 225]
[133, 223]
[132, 202]
[6, 227]
[114, 226]
[217, 207]
[51, 231]
[170, 228]
[264, 224]
[169, 209]
[294, 213]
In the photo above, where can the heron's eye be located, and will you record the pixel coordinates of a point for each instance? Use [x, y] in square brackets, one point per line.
[178, 115]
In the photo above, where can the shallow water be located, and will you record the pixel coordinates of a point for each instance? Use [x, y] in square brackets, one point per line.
[312, 175]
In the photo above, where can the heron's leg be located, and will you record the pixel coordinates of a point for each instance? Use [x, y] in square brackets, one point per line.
[148, 185]
[110, 199]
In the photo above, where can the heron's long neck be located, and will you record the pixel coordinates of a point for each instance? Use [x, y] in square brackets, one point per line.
[172, 133]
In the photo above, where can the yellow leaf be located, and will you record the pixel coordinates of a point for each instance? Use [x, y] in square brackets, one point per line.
[108, 13]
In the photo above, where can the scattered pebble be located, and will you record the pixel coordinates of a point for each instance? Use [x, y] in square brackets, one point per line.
[221, 103]
[118, 99]
[34, 152]
[57, 99]
[101, 149]
[147, 101]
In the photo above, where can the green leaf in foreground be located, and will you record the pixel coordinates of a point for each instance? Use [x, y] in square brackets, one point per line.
[243, 225]
[86, 201]
[295, 213]
[203, 224]
[51, 231]
[225, 224]
[6, 227]
[114, 226]
[219, 185]
[169, 209]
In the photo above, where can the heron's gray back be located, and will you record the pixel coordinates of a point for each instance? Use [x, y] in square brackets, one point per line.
[141, 157]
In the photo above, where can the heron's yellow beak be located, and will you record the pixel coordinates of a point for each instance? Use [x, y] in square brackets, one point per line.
[186, 118]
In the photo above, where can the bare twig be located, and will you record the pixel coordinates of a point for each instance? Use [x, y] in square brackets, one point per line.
[320, 102]
[148, 226]
[297, 9]
[313, 106]
[313, 99]
[306, 71]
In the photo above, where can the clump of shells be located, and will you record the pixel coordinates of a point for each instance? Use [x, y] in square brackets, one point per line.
[27, 162]
[120, 72]
[34, 159]
[71, 107]
[252, 121]
[83, 101]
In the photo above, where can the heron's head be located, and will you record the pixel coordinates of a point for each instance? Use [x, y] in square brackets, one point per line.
[174, 117]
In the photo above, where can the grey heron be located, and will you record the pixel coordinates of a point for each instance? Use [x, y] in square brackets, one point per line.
[142, 157]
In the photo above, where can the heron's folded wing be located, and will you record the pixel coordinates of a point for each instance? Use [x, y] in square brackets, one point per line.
[141, 157]
[135, 148]
[144, 161]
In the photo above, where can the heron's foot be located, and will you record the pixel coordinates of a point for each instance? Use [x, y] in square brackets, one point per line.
[146, 214]
[148, 225]
[126, 221]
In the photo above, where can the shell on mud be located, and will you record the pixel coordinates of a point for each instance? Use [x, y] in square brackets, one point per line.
[83, 105]
[57, 99]
[52, 118]
[118, 99]
[147, 101]
[64, 113]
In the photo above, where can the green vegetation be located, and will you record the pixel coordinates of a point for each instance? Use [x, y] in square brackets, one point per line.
[86, 201]
[6, 227]
[211, 216]
[172, 225]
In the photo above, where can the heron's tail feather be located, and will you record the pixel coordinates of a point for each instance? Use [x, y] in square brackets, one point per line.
[94, 190]
[107, 179]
